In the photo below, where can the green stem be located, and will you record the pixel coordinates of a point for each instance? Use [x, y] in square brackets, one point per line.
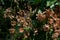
[46, 35]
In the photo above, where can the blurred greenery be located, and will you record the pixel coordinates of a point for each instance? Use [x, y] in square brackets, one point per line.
[39, 4]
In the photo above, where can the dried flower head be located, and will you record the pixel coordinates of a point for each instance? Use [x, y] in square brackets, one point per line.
[49, 13]
[13, 22]
[46, 27]
[8, 10]
[57, 31]
[28, 19]
[58, 21]
[25, 24]
[40, 17]
[50, 21]
[21, 13]
[21, 30]
[55, 26]
[27, 34]
[55, 35]
[55, 17]
[12, 30]
[22, 19]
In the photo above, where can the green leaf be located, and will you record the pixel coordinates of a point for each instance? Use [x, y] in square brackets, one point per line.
[50, 2]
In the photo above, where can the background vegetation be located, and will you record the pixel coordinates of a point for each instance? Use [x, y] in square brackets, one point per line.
[38, 6]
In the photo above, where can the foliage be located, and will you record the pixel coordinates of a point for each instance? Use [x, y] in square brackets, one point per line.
[22, 20]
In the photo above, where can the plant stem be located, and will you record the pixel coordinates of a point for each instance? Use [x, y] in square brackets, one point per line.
[46, 36]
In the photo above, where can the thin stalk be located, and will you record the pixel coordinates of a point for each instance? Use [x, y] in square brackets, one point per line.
[11, 2]
[46, 35]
